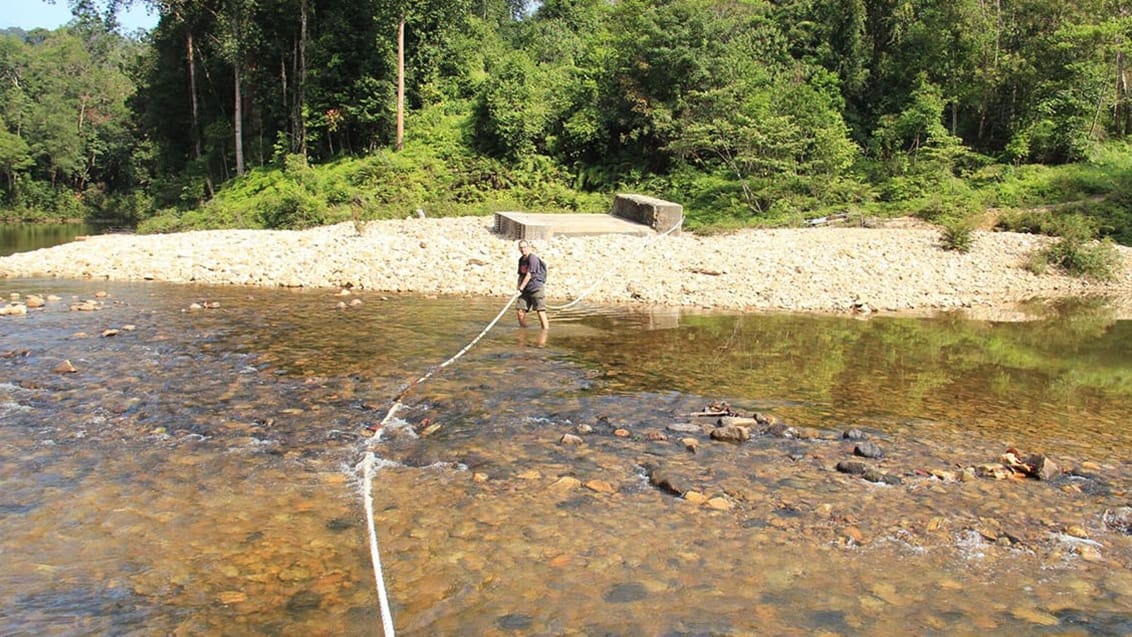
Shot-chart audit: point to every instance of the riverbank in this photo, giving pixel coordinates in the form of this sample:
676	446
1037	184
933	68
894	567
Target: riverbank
897	268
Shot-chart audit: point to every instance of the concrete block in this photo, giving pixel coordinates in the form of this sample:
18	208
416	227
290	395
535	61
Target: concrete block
658	214
517	225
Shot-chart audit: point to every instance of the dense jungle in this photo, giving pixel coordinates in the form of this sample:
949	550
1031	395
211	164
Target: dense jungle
296	113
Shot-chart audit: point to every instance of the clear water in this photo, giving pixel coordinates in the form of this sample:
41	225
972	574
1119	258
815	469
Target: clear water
24	237
196	474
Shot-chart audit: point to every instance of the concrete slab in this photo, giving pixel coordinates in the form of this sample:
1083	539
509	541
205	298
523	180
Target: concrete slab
542	227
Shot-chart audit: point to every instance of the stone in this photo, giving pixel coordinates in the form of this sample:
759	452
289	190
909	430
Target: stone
571	439
514	621
627	592
852	467
738	421
1042	468
868	450
685	427
781	430
695	497
668	483
731	434
719	503
656	213
600	486
232	597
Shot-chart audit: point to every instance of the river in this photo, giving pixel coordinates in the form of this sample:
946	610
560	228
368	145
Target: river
197	473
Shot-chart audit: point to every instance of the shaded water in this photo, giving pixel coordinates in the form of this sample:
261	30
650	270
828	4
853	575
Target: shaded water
24	237
195	475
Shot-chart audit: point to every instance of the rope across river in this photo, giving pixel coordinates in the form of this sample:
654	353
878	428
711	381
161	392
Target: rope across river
368	465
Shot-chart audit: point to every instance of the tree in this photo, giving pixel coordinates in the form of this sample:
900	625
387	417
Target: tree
15	157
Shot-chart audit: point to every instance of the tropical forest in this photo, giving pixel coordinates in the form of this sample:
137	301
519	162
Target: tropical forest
296	113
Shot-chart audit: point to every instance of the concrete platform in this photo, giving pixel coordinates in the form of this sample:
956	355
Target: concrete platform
543	227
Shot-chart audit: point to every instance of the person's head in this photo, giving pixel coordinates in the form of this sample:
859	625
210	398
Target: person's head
524	247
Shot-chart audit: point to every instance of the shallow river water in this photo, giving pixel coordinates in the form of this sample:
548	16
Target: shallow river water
196	474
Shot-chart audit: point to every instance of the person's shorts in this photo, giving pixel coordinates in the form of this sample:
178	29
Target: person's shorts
536	301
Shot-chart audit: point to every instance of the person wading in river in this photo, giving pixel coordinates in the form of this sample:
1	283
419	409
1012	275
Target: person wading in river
532	279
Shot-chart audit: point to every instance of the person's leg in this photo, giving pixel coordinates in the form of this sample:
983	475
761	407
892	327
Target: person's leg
538	304
522	306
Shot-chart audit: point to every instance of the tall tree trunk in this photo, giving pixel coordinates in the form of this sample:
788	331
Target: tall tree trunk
400	84
283	78
1122	115
300	90
190	57
238	121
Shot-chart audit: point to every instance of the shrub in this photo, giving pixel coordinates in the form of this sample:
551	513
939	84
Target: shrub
165	221
1098	260
958	234
291	208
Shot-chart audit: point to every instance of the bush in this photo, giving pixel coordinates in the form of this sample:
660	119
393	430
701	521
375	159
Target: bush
1098	260
164	222
958	234
1026	221
291	208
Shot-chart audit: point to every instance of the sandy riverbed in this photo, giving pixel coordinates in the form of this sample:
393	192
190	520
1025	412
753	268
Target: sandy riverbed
898	268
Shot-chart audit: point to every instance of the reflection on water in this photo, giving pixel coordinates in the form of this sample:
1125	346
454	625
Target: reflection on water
195	474
25	237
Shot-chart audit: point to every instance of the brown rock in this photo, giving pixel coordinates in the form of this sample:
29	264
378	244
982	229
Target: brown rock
731	433
1042	467
600	486
720	503
695	497
65	368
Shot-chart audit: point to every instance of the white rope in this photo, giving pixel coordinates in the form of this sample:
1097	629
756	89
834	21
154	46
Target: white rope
601	280
375	555
461	352
366	466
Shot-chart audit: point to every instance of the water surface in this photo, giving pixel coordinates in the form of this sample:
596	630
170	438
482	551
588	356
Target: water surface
196	473
25	237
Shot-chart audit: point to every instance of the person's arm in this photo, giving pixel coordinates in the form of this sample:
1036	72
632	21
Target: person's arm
525	280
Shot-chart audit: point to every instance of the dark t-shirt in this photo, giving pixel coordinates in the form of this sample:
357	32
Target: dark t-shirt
530	263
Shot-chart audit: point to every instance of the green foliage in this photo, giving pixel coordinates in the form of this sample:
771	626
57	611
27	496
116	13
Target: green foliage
748	113
1095	260
65	141
1076	251
958	234
510	114
290	206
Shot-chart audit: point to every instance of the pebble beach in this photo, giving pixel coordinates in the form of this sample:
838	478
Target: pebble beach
899	267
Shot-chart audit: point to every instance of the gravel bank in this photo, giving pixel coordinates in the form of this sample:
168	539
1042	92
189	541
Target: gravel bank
899	268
